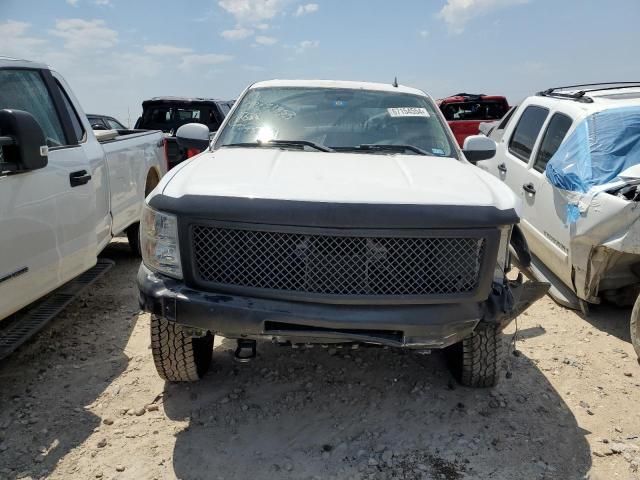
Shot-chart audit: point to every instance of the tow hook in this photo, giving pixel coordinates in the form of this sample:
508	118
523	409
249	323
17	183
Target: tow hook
245	351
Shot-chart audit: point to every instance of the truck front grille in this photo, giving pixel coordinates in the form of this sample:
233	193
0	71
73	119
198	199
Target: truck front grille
336	265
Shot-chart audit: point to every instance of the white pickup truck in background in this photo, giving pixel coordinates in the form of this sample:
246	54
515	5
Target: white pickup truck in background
64	194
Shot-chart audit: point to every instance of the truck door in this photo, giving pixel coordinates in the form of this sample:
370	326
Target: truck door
518	148
44	214
548	232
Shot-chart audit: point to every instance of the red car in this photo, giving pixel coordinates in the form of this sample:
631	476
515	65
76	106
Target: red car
465	112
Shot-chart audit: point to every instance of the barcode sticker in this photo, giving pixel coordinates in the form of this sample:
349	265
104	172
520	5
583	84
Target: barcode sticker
408	112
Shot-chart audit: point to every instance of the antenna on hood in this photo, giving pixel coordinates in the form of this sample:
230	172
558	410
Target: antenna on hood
395	82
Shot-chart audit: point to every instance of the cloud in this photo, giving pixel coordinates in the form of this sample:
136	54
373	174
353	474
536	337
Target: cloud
12	28
237	33
81	34
252	11
306	9
73	3
423	33
456	13
306	45
263	40
162	49
103	3
205	59
17	43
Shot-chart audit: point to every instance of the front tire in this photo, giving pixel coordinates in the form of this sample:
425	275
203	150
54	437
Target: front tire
133	235
178	356
475	361
635	327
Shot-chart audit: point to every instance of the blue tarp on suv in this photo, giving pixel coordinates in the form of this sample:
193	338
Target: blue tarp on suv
601	147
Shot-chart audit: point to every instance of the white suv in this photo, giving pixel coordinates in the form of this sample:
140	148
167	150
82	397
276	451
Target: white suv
573	156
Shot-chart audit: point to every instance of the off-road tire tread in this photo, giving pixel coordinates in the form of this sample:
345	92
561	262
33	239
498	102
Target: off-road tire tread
475	361
179	357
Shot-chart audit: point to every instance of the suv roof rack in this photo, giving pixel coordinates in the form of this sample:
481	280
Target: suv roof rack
581	95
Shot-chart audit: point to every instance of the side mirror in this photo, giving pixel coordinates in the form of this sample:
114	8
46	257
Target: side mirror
478	147
98	126
193	135
22	140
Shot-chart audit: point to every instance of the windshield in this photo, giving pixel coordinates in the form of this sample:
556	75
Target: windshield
474	110
168	117
338	119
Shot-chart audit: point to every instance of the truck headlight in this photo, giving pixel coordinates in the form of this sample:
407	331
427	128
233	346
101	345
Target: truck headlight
503	255
159	242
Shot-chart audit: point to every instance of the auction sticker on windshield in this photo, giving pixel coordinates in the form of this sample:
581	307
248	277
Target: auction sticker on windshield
408	112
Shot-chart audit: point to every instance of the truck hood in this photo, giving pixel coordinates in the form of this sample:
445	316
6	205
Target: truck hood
271	173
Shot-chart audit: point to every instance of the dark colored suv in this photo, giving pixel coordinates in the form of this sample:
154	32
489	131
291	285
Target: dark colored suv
104	122
170	113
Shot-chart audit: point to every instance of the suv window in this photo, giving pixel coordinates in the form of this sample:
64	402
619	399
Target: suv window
556	131
182	114
157	116
526	132
96	122
75	120
26	90
115	124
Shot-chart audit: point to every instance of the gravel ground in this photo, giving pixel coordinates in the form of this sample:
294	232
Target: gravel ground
82	400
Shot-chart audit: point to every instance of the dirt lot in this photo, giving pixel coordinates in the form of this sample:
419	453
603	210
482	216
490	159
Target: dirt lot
82	400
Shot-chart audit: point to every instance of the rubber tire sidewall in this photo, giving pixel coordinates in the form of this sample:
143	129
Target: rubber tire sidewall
634	327
133	235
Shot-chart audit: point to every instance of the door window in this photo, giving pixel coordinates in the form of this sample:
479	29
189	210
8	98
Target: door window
505	120
73	115
26	90
115	125
526	132
556	131
97	123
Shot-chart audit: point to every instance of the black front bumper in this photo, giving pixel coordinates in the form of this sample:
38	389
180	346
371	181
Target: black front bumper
413	326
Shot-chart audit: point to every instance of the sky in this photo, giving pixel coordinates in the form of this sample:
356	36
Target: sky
116	53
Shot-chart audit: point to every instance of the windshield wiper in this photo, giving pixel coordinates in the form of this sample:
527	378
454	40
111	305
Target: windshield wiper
281	143
385	148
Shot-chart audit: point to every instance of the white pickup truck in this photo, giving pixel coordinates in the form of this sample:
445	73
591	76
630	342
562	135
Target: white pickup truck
330	212
64	194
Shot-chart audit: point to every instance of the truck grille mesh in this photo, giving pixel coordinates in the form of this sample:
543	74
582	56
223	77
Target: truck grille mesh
337	265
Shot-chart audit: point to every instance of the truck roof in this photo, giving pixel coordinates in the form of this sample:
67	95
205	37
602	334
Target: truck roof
16	62
581	107
467	97
593	98
382	87
173	99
